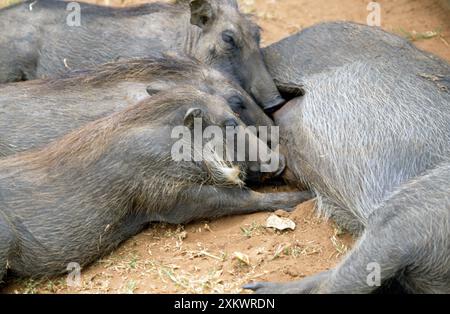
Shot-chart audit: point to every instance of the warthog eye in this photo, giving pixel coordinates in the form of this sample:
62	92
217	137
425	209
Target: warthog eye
236	103
228	38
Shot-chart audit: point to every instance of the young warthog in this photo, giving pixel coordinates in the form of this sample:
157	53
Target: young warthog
44	38
359	137
37	112
85	193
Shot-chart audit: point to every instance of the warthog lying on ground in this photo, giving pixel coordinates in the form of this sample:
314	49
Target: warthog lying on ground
372	125
45	39
37	112
82	195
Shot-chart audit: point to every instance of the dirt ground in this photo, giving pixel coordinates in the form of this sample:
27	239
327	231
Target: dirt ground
201	257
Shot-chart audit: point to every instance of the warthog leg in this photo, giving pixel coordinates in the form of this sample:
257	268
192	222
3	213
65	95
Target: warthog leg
211	202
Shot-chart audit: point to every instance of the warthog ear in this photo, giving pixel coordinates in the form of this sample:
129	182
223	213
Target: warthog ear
201	12
192	114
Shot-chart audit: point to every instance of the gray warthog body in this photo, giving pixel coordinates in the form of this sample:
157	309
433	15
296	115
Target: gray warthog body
406	245
37	112
41	42
83	194
325	47
359	137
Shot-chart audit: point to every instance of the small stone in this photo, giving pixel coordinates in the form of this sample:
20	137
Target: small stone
280	223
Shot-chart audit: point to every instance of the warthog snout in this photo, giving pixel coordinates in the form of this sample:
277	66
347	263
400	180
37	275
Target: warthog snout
261	84
272	106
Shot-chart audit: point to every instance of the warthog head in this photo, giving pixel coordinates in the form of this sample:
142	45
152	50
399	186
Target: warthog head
229	41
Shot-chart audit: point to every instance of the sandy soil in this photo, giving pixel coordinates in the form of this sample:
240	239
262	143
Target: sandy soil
201	257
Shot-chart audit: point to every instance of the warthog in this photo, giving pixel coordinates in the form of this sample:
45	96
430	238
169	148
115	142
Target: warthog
44	38
37	112
326	46
363	137
85	193
406	243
